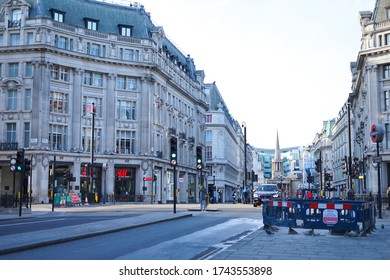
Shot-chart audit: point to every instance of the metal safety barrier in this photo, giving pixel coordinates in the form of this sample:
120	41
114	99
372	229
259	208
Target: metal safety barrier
334	215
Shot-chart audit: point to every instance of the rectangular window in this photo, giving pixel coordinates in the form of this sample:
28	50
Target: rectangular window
209	153
58	102
125	142
209	135
1	40
62	42
86	139
209	118
60	73
29	69
97	80
125	31
30	38
57	16
387	135
12	103
87	106
386	71
120	82
13	70
125	110
131	83
93	79
387	39
127	54
26	135
58	137
95	49
15	39
27	99
387	100
11	132
91	24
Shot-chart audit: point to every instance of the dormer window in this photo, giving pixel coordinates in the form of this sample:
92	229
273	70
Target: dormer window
91	24
125	30
57	15
15	19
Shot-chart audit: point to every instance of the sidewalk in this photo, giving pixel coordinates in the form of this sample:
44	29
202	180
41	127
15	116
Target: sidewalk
281	245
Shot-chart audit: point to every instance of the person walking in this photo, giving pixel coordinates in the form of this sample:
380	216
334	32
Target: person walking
246	195
234	197
388	197
203	197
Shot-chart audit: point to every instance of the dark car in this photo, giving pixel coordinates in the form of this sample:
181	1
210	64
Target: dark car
265	191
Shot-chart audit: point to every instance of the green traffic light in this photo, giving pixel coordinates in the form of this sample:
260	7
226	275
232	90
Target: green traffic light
19	168
173	155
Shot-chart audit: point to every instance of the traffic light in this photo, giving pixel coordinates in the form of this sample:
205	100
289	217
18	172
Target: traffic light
344	165
309	178
19	160
27	165
173	151
199	160
12	164
318	165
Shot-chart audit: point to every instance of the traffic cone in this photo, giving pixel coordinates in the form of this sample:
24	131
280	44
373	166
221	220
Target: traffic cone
86	201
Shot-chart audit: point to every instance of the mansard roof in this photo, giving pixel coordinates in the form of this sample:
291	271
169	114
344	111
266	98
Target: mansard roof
380	12
109	17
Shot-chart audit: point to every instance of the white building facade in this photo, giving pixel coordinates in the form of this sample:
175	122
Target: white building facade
62	61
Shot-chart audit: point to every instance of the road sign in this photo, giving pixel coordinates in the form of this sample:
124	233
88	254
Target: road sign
377	133
376	159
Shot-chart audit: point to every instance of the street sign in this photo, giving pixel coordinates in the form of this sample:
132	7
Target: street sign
377	133
376	159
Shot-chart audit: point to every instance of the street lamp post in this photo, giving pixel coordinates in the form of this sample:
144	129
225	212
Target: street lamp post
244	126
93	112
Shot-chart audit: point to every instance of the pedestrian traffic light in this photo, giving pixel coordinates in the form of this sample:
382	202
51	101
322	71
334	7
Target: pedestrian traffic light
173	143
27	165
19	160
199	159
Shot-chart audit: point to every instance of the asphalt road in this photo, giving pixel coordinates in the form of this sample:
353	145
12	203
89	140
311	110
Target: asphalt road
195	237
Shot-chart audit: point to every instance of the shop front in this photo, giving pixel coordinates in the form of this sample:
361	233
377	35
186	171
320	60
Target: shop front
125	184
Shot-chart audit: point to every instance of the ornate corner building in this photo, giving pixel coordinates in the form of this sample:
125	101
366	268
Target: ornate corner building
85	81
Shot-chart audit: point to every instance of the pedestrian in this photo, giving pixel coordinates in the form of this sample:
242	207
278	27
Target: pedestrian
203	197
388	197
246	195
234	197
309	195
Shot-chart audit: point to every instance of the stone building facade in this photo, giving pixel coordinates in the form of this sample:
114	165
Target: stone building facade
85	81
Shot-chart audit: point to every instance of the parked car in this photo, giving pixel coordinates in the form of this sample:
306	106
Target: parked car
265	191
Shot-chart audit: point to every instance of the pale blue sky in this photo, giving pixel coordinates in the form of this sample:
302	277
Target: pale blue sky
279	65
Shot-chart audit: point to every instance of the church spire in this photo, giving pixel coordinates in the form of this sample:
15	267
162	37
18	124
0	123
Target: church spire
277	162
277	148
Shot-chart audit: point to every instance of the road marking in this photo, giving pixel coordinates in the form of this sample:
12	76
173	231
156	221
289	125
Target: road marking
27	223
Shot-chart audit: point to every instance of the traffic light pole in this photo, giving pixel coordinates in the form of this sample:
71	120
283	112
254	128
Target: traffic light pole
174	189
379	184
21	192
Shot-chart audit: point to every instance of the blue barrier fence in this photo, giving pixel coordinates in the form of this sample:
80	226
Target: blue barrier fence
335	215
